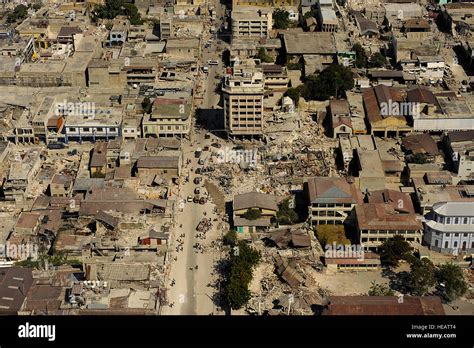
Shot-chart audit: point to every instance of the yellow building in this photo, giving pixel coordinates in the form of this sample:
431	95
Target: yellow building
386	111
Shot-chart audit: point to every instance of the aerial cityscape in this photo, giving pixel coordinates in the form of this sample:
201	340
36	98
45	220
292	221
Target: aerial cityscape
241	157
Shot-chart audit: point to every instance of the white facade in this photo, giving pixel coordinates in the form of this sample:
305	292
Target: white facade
100	123
450	227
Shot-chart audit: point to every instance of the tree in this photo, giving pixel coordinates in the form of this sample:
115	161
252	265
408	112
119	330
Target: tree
285	214
252	214
147	105
230	238
328	234
421	277
333	81
393	250
377	60
19	12
242	260
451	275
361	56
281	19
114	8
380	290
263	56
419	158
294	94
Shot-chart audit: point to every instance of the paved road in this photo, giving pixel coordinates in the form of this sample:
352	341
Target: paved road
190	293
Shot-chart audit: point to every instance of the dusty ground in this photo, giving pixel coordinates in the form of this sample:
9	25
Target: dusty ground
343	284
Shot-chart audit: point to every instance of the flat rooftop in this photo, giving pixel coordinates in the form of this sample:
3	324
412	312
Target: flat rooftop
309	42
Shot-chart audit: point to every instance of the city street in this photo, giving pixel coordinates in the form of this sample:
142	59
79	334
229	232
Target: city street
192	271
191	294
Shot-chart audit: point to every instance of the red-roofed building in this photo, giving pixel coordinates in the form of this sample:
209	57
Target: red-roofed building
384	305
331	200
340	113
377	222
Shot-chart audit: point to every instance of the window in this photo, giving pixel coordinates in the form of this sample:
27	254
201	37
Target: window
100	129
448	221
446	245
112	129
436	243
456	221
455	245
456	235
72	129
86	129
465	221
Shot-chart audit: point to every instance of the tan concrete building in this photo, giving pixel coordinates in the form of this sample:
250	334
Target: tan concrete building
251	23
186	48
243	102
154	169
106	74
170	116
264	3
61	185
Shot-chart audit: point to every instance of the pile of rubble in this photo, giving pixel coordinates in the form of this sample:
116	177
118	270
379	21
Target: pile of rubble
204	225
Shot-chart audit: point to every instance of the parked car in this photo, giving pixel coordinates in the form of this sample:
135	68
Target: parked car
197	180
203	200
212	62
216	145
190	198
197	191
56	146
197	153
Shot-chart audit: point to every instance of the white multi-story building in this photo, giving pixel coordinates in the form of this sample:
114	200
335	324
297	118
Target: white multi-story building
92	123
460	146
450	227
